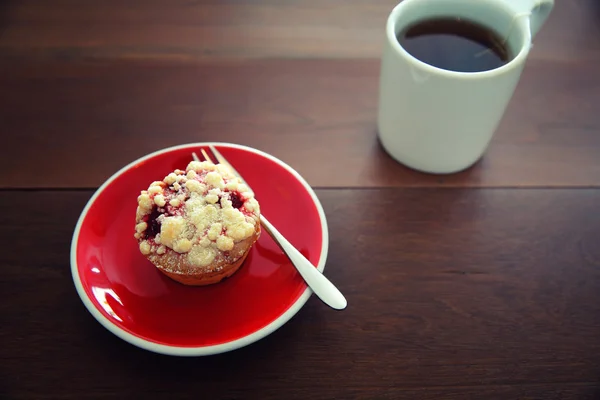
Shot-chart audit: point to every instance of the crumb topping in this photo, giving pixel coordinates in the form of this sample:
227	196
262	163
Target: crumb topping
200	213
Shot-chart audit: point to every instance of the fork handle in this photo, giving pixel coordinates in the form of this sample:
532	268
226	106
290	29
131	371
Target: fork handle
319	284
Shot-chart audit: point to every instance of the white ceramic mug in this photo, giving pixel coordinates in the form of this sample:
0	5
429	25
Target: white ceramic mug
442	121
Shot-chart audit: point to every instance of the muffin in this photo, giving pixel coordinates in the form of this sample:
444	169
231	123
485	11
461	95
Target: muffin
197	226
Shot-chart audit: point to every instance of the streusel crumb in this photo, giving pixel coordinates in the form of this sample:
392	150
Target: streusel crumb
201	216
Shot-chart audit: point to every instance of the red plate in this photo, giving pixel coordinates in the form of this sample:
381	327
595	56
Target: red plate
133	300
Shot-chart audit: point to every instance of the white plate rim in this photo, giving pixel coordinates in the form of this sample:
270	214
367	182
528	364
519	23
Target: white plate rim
202	350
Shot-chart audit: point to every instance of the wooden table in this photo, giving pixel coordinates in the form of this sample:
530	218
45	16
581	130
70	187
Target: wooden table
483	284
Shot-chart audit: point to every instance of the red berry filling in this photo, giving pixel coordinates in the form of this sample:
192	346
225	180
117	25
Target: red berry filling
236	200
153	224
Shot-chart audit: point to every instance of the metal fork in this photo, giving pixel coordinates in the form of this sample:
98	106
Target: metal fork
319	284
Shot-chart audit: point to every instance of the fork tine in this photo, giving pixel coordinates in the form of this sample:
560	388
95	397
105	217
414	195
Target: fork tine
223	160
206	156
218	155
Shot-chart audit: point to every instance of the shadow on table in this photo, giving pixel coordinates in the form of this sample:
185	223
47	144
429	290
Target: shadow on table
210	374
383	167
590	7
5	9
595	6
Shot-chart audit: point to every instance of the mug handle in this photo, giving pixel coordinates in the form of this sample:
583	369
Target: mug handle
539	14
537	10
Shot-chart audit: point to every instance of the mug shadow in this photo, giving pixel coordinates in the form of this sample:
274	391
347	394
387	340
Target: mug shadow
392	173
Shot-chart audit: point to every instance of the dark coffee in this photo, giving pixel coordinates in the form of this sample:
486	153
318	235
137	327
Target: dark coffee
455	44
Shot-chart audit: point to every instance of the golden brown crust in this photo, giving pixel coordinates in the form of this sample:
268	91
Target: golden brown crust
175	265
207	278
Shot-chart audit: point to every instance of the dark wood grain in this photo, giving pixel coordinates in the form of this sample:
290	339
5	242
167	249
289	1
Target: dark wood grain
478	285
180	30
87	120
453	294
90	86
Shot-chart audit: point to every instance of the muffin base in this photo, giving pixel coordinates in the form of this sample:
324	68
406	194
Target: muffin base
207	278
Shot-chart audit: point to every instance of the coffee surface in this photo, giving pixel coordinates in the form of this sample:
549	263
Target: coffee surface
455	44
